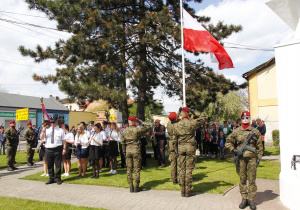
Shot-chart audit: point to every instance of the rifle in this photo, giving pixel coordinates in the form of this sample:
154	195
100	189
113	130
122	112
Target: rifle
19	130
245	146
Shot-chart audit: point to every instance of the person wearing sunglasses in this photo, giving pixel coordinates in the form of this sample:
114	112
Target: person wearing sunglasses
55	148
248	161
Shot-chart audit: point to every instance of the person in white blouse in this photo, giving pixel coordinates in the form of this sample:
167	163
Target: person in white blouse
96	142
81	143
67	157
113	138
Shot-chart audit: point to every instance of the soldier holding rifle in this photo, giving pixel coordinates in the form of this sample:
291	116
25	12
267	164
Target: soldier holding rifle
248	155
132	151
31	139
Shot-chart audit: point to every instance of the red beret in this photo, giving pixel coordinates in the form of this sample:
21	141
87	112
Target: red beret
172	116
62	125
12	122
185	109
29	123
132	118
245	113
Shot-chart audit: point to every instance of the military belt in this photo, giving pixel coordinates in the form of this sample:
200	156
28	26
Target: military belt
186	143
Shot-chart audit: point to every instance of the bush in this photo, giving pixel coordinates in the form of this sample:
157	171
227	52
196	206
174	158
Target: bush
275	137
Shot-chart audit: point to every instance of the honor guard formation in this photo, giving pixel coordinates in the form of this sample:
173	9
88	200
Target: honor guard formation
189	135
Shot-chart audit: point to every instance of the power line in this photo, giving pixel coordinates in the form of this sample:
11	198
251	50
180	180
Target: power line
241	48
24	65
23	14
248	46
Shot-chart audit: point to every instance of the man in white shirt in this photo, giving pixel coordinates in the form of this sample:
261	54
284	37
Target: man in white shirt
55	148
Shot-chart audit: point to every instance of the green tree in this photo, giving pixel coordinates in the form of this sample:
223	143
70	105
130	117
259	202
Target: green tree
228	106
152	108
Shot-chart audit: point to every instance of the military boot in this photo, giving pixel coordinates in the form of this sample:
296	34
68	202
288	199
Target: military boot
10	168
175	181
182	191
252	204
136	188
189	193
15	168
243	204
131	187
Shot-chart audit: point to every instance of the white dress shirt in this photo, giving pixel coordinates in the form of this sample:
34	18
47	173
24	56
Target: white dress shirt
59	137
98	137
107	131
69	136
82	139
115	135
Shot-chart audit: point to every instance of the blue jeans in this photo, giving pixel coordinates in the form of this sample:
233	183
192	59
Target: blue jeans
2	147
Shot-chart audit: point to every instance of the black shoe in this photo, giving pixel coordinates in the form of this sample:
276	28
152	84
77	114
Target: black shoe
10	169
252	204
49	182
189	193
243	204
58	182
29	164
96	177
15	168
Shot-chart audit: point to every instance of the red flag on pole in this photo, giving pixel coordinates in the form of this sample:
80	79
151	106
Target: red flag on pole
198	39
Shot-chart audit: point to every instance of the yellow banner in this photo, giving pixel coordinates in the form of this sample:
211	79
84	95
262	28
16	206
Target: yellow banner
22	114
111	118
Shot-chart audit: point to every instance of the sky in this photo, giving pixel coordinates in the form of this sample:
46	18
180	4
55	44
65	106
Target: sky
262	28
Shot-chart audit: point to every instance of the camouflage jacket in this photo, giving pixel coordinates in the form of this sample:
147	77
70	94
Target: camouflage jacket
185	129
239	135
11	136
132	135
29	135
171	131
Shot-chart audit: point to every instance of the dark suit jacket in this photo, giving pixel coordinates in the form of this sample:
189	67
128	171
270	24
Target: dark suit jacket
160	133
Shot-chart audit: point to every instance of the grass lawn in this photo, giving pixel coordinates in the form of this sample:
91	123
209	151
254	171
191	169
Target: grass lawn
19	203
272	150
20	158
210	176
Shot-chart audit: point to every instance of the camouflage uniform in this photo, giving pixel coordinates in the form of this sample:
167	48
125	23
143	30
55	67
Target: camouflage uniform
131	145
173	145
12	144
29	135
248	165
185	132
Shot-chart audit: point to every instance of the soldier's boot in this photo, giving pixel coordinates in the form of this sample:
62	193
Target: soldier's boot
252	204
28	164
131	187
136	188
243	204
15	168
189	193
182	191
10	168
175	181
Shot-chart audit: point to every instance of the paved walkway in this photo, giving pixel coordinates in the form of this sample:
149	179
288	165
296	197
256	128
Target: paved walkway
121	198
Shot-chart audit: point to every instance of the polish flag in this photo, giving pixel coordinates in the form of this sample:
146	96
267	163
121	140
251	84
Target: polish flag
198	39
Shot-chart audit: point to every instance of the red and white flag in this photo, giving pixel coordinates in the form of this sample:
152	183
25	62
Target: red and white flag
198	39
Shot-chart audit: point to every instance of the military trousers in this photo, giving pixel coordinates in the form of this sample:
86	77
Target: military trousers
186	164
173	159
30	153
247	171
133	163
11	151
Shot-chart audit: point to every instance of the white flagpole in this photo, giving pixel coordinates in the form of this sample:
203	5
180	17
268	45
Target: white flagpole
182	52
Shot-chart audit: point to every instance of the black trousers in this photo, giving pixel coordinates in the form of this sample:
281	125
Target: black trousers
54	156
205	147
160	148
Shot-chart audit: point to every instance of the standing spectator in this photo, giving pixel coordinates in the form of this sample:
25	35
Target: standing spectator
253	124
222	144
160	136
215	135
114	137
229	123
2	141
81	142
31	138
69	137
210	144
262	129
239	122
226	132
43	151
233	126
12	145
198	139
206	139
55	148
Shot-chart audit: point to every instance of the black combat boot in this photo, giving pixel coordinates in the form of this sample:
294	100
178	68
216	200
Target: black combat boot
131	188
136	188
189	193
10	169
252	204
243	204
182	191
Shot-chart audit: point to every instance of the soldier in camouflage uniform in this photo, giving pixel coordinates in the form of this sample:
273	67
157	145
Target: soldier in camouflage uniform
249	161
185	132
173	145
12	144
31	138
131	147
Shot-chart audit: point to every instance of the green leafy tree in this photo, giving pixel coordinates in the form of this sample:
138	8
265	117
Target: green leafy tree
152	108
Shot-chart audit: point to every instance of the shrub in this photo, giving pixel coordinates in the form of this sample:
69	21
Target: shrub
275	137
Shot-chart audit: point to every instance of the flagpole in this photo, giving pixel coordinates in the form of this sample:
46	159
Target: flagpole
182	56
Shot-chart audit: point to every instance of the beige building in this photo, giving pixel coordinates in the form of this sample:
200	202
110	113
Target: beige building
263	101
